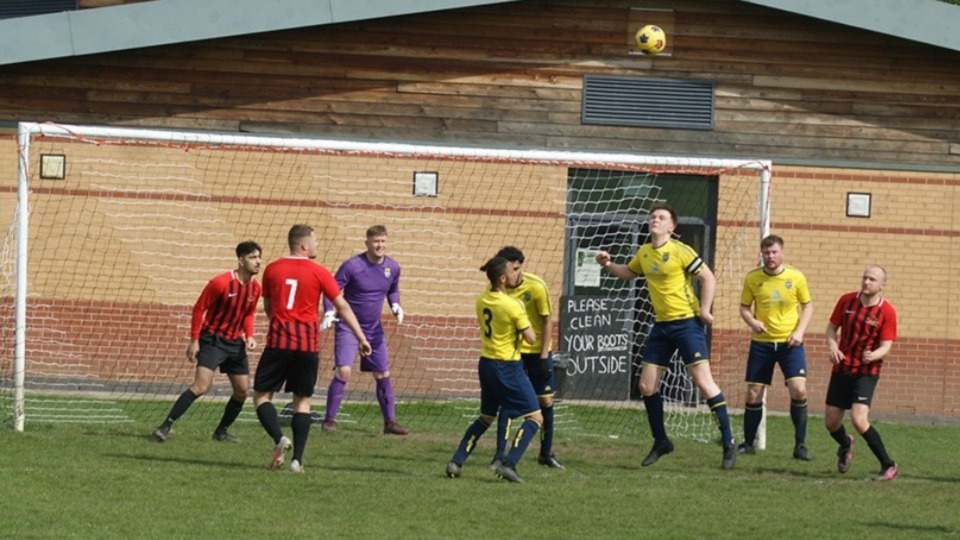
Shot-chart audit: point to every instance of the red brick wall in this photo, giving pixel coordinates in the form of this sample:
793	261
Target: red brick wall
90	271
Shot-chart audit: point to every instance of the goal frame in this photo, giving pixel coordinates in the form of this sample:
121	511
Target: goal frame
27	130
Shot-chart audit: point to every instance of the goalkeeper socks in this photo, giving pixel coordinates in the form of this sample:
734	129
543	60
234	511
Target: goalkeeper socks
230	413
528	429
301	430
876	446
469	441
386	400
752	416
267	414
183	403
798	413
546	433
334	397
718	406
654	406
840	435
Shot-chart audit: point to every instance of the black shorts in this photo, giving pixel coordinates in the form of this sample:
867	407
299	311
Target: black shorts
230	355
847	389
295	369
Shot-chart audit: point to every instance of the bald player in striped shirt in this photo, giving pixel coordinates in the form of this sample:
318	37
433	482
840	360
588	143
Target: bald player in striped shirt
860	334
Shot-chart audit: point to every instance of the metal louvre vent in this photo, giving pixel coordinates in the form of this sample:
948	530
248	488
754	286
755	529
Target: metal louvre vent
647	102
22	8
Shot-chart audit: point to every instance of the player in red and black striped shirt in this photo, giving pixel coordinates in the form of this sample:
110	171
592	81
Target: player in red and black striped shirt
292	291
868	326
221	332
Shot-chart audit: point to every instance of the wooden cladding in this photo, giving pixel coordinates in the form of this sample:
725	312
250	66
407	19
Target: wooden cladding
785	86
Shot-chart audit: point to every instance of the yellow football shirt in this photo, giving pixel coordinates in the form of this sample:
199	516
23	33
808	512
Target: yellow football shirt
533	294
669	270
501	320
775	300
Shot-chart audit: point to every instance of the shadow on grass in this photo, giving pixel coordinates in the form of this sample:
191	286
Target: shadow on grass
180	460
939	479
887	527
835	476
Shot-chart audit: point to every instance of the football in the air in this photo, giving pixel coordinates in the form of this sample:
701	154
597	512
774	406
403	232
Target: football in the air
651	39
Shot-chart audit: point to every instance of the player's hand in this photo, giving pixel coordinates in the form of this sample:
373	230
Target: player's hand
546	370
397	312
835	356
603	258
365	348
192	349
758	327
795	340
251	343
706	317
329	318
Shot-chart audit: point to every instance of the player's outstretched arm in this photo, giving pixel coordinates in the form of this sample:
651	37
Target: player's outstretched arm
621	271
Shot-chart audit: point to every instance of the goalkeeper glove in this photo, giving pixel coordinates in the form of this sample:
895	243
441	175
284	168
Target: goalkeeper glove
329	318
397	311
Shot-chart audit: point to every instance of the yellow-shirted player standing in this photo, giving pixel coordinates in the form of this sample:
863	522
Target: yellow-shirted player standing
537	357
504	387
776	305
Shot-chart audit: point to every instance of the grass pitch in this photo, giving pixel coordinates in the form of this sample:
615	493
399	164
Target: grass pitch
82	481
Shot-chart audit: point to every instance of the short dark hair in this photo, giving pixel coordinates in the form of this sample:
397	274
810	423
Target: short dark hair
667	207
297	233
495	268
247	247
511	254
376	230
770	240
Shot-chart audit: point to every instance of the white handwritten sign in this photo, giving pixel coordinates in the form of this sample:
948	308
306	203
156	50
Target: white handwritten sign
596	344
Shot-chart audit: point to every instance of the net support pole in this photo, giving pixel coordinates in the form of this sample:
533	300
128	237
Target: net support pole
764	202
761	442
20	298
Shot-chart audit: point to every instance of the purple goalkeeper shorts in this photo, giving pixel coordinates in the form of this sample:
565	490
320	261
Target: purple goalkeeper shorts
345	347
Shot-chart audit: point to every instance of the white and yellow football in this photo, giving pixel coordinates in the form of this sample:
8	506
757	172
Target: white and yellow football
651	39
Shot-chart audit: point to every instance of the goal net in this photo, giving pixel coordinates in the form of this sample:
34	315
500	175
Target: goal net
112	234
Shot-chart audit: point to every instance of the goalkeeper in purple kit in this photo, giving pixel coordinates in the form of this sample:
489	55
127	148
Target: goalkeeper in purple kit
366	280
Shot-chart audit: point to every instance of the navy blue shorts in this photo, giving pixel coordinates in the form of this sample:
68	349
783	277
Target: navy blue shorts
295	369
542	386
230	355
666	338
504	387
764	356
846	389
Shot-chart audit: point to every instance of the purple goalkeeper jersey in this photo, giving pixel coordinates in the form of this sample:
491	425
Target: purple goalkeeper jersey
365	285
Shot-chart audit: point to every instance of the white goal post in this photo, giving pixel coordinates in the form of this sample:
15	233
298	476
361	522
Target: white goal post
123	226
